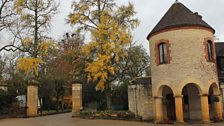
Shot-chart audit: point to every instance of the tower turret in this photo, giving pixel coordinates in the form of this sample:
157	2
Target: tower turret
183	66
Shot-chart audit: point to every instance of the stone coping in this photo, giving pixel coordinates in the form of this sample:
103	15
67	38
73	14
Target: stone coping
33	82
141	80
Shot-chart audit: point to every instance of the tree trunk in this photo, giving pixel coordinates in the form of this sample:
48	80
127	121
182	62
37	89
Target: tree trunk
48	104
57	102
108	99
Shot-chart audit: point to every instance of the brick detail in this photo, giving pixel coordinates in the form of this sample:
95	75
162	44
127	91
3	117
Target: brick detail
206	50
169	58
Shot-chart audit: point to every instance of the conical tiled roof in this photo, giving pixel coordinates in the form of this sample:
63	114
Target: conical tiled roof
178	15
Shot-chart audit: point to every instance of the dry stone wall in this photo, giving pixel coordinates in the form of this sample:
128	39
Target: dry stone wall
140	98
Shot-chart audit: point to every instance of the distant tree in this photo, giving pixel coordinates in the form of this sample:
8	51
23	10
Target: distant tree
2	66
110	26
6	101
136	63
62	66
15	80
7	15
70	49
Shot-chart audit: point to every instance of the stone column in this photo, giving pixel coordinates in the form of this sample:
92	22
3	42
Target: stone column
205	109
218	108
32	99
179	108
158	109
76	99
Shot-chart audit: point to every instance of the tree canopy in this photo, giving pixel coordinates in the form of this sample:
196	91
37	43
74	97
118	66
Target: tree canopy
34	22
110	27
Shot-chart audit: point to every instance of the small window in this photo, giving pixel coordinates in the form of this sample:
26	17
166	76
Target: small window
210	50
162	53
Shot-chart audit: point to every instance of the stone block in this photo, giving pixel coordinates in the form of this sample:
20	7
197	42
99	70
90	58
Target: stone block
32	100
76	99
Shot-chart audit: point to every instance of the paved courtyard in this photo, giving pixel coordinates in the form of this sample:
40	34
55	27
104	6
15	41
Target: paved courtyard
66	120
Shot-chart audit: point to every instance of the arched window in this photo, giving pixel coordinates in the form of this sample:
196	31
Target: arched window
162	53
210	50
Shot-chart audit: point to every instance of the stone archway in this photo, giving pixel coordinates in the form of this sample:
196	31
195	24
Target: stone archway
168	103
215	102
191	102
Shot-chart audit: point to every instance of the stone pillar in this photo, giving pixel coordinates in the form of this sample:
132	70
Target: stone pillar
218	108
32	99
179	108
76	99
158	109
205	109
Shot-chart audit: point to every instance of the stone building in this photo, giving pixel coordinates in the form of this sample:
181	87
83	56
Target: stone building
184	77
220	60
220	64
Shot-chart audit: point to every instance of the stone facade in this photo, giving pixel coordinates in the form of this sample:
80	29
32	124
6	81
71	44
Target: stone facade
188	65
183	71
76	99
186	45
140	98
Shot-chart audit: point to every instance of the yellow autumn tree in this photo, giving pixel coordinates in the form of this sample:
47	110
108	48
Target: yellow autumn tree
34	18
110	26
31	64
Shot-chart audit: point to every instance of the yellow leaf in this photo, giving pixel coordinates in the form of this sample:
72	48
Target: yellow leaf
28	64
27	41
100	86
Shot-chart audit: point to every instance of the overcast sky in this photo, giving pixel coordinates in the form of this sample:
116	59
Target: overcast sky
149	12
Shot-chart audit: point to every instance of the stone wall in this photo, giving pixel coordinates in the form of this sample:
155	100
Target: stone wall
140	98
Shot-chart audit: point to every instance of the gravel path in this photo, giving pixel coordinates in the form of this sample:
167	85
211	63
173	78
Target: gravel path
66	120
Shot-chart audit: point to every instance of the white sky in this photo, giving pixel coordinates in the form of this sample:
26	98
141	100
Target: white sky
149	12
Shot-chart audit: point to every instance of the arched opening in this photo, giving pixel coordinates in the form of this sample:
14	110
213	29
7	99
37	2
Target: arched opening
191	102
213	100
168	103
